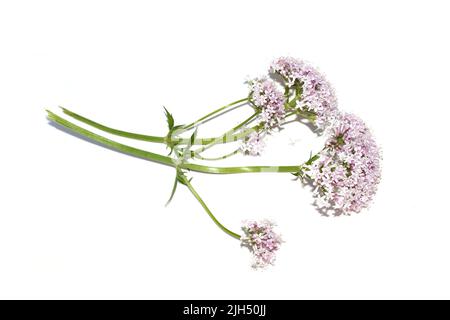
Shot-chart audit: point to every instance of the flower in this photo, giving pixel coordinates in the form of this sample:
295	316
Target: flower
347	171
254	144
262	241
269	100
289	68
317	95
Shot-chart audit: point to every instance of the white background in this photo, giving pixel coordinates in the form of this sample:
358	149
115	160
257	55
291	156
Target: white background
81	221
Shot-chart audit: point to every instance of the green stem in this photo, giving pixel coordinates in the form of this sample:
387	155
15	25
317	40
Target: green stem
163	159
229	135
290	114
200	200
286	94
309	115
217	158
199	141
193	124
233	170
136	136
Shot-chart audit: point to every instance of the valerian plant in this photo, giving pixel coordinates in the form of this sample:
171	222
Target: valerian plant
344	174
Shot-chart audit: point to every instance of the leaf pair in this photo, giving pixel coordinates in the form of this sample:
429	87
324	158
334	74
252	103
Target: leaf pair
180	177
183	153
172	129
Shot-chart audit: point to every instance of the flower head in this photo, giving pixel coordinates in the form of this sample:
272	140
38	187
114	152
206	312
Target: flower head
262	241
270	100
347	171
317	94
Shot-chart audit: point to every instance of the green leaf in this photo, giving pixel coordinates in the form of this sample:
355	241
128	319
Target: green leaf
312	159
174	188
187	150
169	118
193	136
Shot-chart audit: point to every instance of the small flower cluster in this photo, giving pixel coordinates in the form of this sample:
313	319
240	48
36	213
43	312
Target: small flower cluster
253	144
317	94
262	241
270	100
347	171
266	97
313	94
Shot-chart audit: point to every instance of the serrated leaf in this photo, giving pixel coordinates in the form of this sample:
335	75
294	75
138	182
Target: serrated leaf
169	118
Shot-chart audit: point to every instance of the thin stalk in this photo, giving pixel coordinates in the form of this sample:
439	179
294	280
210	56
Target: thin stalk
308	115
290	114
233	170
197	156
229	135
160	158
199	141
193	124
200	200
137	136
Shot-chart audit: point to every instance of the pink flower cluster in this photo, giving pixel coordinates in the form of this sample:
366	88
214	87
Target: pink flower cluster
270	100
262	241
347	172
289	68
253	144
317	94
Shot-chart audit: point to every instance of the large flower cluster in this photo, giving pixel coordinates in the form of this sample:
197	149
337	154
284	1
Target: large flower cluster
347	171
317	94
262	241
